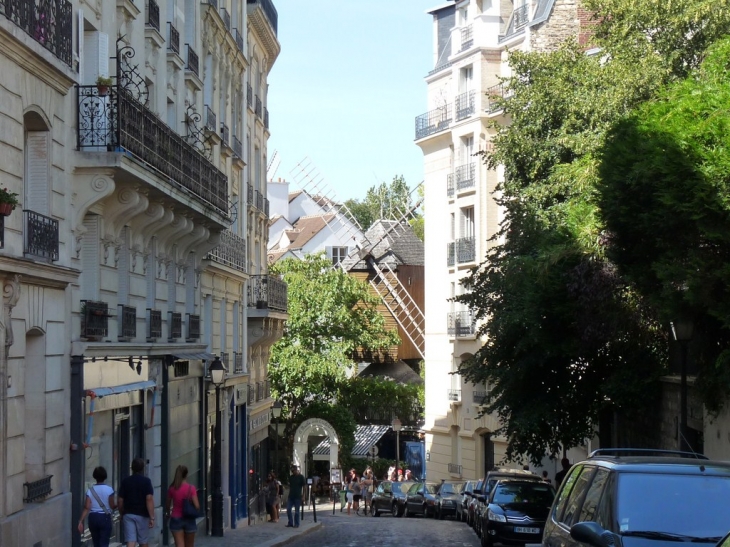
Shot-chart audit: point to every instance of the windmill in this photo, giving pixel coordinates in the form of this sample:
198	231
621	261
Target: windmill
372	250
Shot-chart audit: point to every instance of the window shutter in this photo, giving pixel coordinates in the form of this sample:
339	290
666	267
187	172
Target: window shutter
90	258
96	56
462	223
36	172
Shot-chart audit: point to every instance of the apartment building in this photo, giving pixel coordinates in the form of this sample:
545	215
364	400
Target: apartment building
136	255
472	39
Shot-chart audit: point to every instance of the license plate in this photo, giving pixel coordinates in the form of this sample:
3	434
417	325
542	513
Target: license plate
522	530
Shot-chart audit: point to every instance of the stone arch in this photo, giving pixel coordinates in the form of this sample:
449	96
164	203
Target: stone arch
320	427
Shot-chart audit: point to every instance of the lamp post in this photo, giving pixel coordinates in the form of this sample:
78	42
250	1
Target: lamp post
682	331
396	424
276	413
217	377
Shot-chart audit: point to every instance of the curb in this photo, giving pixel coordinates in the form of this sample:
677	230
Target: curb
290	539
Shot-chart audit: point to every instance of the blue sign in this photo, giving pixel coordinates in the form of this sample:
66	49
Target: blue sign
415	456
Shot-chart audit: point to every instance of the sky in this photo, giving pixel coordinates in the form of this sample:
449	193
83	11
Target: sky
345	90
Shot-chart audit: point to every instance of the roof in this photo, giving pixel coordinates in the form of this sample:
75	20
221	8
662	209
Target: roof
399	371
301	233
392	242
365	437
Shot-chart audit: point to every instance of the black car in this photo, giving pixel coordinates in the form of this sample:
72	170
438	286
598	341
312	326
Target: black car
463	506
390	497
447	498
481	494
516	511
641	498
421	499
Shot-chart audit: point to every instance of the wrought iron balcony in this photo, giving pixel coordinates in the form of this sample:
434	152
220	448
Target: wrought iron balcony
117	122
231	251
266	207
465	105
455	469
225	133
266	118
128	322
193	328
37	490
451	253
481	397
453	395
94	319
460	323
237	147
192	61
211	122
465	249
259	201
433	121
238	362
175	323
154	325
50	23
267	292
269	10
518	21
249	95
467	38
259	106
259	391
226	18
249	194
173	38
40	237
251	394
495	94
465	176
153	15
239	39
225	360
450	185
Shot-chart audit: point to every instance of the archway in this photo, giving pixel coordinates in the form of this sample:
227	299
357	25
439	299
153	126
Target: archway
315	426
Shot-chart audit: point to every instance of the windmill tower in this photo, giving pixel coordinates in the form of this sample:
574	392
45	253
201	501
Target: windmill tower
374	250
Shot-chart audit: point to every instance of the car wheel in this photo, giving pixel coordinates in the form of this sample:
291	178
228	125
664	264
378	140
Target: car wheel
374	512
441	513
427	513
406	512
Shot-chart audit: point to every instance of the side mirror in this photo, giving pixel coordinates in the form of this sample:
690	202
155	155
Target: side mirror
591	533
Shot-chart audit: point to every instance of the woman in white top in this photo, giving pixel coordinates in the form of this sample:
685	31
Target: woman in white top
99	506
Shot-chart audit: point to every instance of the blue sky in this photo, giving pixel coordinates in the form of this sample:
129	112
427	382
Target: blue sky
346	88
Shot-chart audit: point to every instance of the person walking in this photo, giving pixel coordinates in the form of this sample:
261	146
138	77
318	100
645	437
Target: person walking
356	488
272	492
99	506
296	486
181	527
137	505
560	475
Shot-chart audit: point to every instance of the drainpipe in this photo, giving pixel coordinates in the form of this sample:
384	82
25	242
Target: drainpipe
77	444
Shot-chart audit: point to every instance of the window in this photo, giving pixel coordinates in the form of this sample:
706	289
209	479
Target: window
467	148
593	497
575	500
466	75
337	254
467	222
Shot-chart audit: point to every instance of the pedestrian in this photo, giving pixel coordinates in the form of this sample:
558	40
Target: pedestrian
272	491
279	494
99	506
356	488
181	527
560	475
137	505
296	485
545	477
409	475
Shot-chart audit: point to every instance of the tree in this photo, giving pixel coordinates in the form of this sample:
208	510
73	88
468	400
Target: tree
330	315
385	201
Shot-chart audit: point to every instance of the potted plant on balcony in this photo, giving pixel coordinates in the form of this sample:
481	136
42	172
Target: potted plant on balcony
103	83
8	201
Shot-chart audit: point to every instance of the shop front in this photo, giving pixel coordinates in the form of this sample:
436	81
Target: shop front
260	462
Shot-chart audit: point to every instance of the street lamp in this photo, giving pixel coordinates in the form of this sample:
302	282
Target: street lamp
276	413
682	332
396	424
217	377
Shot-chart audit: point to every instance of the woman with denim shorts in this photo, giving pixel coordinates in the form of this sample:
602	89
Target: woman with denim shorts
183	529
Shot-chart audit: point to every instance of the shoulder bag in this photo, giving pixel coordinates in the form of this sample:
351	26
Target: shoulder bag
101	503
188	509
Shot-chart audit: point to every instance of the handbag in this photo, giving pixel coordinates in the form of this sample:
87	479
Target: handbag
188	509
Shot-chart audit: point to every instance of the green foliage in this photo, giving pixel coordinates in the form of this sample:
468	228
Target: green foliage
385	201
361	394
339	418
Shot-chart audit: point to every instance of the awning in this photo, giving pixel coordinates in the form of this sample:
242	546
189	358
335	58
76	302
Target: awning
194	356
126	388
365	437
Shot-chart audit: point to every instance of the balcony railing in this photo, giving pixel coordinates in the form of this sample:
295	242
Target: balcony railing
225	360
269	10
154	325
451	253
249	194
465	176
481	397
267	292
40	238
450	185
453	395
259	106
237	147
259	201
173	38
249	95
193	328
467	38
231	251
238	362
455	469
192	61
495	94
266	118
36	491
226	18
239	39
211	122
175	323
433	121
266	207
153	15
94	319
128	323
465	249
251	394
519	20
50	23
460	323
119	123
465	105
225	133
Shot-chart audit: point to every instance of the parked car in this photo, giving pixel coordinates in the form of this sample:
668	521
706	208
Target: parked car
463	505
633	498
447	498
471	507
496	474
390	497
516	511
421	499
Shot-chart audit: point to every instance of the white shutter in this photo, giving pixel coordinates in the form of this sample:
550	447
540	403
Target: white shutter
90	256
103	54
36	172
96	56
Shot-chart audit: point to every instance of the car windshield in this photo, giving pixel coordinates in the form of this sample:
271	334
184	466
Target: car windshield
401	487
448	488
691	505
431	488
523	493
